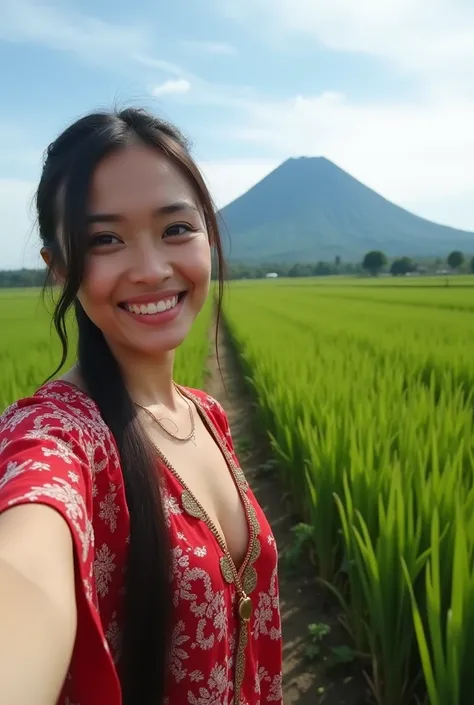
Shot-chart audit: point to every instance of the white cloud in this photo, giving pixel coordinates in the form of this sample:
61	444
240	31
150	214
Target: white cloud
120	48
416	35
171	87
158	64
207	94
19	246
116	47
222	48
94	40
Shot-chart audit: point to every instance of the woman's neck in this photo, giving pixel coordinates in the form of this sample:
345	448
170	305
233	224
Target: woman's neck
150	380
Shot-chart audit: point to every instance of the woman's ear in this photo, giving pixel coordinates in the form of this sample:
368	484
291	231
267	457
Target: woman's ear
47	256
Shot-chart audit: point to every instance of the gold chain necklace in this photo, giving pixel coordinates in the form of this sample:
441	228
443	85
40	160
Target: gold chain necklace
191	435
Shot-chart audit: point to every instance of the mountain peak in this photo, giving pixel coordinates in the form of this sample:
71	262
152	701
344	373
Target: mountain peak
310	209
304	160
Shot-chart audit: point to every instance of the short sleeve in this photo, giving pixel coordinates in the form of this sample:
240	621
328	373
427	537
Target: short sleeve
216	410
217	415
44	459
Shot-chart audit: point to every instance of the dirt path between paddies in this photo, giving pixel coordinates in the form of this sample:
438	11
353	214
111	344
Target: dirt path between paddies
303	602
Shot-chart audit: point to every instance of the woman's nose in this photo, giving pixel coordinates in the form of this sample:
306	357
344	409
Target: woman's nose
151	265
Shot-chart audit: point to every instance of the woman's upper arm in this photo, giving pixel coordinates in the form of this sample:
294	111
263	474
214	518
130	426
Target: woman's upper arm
38	610
36	541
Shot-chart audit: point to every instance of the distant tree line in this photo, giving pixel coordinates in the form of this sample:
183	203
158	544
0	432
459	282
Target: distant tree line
374	263
20	278
298	269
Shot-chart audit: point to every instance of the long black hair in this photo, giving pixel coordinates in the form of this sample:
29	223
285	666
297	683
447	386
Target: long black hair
61	199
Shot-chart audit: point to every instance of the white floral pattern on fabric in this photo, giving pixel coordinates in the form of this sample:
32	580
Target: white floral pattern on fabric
275	693
261	675
215	693
178	654
109	509
104	566
13	469
114	637
170	506
14	416
73	476
267	612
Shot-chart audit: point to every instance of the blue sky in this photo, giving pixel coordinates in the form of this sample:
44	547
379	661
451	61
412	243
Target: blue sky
384	89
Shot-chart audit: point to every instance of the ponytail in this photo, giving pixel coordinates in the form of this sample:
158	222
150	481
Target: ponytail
148	599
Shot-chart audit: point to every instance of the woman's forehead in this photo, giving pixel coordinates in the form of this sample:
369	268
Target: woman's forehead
136	178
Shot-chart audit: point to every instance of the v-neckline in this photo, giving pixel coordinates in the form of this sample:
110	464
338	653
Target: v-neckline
235	473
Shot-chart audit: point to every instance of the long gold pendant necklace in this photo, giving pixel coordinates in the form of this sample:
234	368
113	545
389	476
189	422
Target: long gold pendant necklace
228	567
191	435
245	602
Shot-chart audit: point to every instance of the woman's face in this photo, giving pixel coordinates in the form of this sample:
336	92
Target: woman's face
148	265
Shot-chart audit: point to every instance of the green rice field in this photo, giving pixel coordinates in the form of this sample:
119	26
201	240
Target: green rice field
366	390
30	350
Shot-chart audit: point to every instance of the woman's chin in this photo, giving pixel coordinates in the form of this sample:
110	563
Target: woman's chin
157	343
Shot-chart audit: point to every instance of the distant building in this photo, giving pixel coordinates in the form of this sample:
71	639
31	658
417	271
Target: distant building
271	275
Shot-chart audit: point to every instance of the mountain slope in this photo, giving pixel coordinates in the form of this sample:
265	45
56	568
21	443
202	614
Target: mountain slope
309	209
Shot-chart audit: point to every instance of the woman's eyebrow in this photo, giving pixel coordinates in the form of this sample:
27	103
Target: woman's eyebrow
168	209
176	207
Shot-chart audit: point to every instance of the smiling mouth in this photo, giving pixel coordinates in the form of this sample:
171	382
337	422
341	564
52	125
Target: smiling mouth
154	307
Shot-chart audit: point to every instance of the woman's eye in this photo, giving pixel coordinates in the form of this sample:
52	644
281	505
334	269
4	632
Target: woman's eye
178	229
104	239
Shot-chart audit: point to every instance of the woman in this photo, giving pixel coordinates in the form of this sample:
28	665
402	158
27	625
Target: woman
136	566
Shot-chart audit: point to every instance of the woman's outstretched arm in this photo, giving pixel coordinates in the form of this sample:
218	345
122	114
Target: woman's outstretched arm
38	616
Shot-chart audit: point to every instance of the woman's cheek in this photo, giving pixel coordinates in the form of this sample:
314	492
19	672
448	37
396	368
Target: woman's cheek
199	262
100	279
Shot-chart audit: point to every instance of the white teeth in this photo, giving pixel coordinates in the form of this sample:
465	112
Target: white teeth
158	307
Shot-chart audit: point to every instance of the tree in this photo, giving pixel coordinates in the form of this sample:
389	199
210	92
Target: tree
402	266
374	261
455	259
471	265
337	261
300	269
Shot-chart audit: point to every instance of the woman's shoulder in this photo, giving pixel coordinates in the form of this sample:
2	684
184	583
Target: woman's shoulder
205	400
55	404
213	409
58	428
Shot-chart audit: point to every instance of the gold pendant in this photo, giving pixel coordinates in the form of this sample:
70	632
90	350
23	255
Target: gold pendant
245	608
